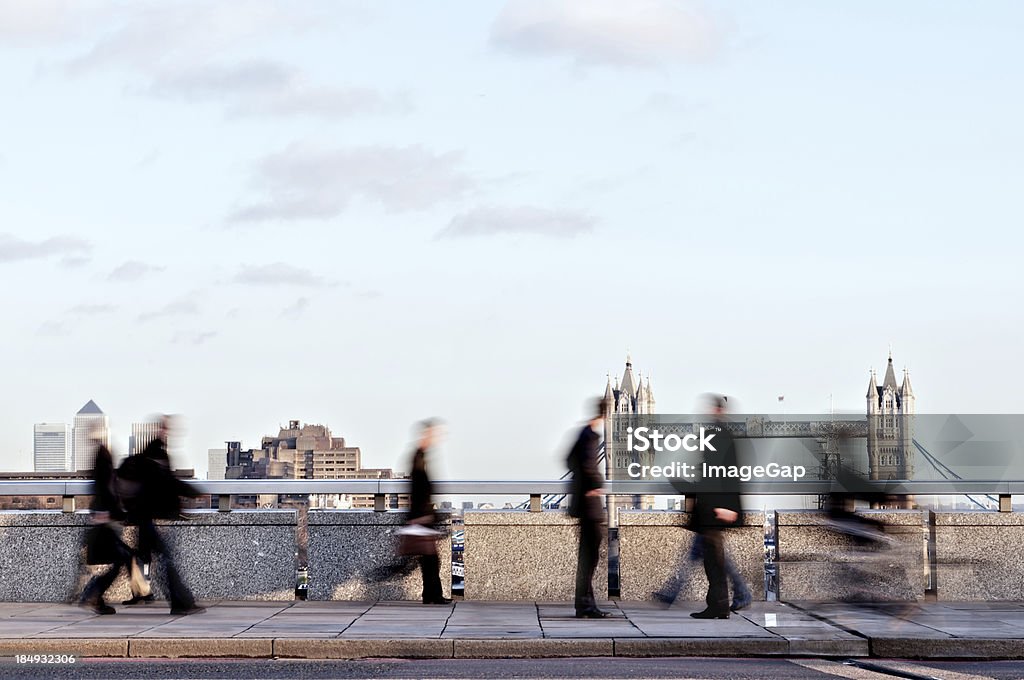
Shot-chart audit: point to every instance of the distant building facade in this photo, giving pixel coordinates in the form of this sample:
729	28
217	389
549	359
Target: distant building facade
217	462
303	452
51	447
89	421
142	434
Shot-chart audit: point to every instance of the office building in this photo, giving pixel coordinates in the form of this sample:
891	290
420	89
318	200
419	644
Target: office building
89	424
51	447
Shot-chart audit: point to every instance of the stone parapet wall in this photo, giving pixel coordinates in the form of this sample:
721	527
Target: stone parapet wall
654	549
347	546
820	564
241	555
522	555
978	555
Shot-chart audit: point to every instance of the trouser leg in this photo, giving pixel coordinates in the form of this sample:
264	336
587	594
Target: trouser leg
99	584
177	592
714	568
740	589
586	564
430	566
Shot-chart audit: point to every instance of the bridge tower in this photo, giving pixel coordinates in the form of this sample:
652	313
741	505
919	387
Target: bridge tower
625	400
890	411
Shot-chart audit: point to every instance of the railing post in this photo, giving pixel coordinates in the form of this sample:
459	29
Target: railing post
1005	502
69	504
535	505
224	502
379	502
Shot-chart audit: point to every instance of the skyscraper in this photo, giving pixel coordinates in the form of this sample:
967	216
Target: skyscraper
142	434
51	447
89	420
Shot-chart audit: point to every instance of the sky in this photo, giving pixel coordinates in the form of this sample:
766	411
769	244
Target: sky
364	214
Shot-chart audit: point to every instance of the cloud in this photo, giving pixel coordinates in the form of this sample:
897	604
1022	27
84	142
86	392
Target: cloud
177	51
91	310
295	310
157	36
133	270
14	249
308	182
489	220
272	88
74	261
185	306
640	33
53	329
278	274
28	22
193	338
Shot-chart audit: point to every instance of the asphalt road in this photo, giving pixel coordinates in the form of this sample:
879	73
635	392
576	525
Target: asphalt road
709	669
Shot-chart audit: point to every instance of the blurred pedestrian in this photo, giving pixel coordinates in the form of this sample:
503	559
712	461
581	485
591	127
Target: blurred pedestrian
588	507
103	539
714	510
418	537
156	494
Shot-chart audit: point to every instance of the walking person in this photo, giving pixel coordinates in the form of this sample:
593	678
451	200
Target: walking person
714	510
742	597
418	536
587	506
158	497
103	540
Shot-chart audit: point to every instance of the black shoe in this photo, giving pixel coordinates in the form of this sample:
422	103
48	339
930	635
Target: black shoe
741	603
709	614
592	614
438	600
185	611
136	599
99	607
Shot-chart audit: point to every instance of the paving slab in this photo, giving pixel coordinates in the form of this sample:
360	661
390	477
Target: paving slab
518	629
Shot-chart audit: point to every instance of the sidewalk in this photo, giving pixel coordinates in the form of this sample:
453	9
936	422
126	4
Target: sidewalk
332	630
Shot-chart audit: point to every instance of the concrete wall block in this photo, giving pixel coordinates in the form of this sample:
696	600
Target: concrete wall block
346	546
521	555
654	548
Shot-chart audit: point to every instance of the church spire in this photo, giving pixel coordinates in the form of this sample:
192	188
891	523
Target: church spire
890	375
628	384
872	387
905	389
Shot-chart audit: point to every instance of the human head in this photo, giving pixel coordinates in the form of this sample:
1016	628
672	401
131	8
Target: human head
718	404
429	431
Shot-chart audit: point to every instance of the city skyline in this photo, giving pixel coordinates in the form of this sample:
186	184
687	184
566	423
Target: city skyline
187	458
372	213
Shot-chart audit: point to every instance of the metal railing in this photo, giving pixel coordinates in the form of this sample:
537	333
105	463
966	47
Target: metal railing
535	489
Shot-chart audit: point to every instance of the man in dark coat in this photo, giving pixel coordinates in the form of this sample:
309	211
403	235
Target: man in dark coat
717	508
104	544
587	506
421	513
158	497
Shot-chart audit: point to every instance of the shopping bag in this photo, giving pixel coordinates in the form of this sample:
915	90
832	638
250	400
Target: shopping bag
141	587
